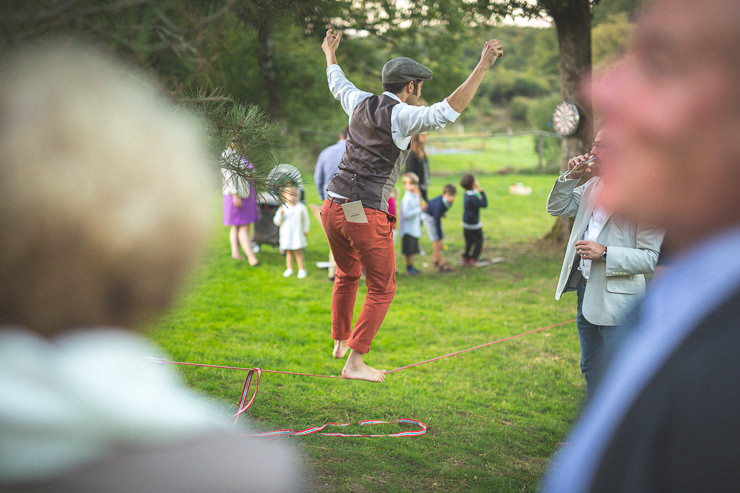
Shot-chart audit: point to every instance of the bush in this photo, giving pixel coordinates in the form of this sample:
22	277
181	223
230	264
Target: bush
519	108
539	116
509	84
530	86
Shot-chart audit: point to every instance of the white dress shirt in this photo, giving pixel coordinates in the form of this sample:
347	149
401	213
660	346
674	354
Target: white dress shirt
595	225
406	120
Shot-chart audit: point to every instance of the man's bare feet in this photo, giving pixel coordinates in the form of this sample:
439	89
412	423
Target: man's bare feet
340	349
355	368
363	372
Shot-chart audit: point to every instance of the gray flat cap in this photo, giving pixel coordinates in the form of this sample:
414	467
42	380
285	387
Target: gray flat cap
402	69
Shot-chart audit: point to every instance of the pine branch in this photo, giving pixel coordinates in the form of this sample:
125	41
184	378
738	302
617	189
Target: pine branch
249	132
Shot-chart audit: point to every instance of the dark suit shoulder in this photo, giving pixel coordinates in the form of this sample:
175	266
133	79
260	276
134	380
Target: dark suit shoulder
681	434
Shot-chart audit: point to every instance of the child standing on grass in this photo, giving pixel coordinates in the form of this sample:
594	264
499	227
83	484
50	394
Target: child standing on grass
412	206
292	219
437	209
473	201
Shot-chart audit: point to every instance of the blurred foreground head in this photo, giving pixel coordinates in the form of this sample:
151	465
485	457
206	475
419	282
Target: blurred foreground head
673	114
103	192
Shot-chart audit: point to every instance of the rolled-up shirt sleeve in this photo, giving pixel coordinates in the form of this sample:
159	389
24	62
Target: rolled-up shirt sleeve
344	90
409	120
406	120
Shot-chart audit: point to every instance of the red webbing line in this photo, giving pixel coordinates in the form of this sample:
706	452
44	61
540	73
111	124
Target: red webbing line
244	404
244	369
309	431
478	347
245	392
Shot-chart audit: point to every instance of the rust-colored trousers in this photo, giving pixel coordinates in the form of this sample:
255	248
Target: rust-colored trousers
358	246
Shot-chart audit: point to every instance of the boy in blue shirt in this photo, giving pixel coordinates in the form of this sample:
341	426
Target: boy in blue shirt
412	207
432	217
473	201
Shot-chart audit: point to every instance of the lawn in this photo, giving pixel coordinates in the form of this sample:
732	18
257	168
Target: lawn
494	415
483	155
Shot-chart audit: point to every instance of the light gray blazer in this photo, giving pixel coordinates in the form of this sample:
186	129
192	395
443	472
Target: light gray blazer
632	252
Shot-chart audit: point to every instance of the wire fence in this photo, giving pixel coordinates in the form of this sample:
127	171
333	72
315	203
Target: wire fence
538	149
482	142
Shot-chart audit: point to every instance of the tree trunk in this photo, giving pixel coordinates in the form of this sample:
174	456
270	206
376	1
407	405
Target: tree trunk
269	70
573	24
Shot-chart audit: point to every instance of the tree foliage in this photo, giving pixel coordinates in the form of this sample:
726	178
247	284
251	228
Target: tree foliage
174	41
267	54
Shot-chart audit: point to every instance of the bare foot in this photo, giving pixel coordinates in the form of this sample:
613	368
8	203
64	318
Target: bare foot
363	372
340	349
237	257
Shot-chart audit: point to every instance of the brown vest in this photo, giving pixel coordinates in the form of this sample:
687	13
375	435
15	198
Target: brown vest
372	162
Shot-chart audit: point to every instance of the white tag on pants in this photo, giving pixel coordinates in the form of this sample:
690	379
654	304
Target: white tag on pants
353	212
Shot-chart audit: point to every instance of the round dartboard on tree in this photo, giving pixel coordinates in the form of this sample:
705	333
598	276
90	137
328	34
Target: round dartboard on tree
565	119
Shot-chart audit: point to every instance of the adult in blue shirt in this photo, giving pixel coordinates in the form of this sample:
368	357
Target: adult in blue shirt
328	163
326	166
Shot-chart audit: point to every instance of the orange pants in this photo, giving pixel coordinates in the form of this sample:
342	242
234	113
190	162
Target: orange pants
358	246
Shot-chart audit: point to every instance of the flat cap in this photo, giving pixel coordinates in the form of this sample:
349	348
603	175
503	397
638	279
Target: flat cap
402	69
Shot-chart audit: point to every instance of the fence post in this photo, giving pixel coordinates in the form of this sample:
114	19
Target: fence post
509	134
539	149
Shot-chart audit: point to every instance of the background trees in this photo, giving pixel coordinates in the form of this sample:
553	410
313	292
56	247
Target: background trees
267	53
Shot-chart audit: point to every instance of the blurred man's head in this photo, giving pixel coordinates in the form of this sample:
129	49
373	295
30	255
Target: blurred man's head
673	113
599	150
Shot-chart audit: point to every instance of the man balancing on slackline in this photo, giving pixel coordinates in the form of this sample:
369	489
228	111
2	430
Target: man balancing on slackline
355	214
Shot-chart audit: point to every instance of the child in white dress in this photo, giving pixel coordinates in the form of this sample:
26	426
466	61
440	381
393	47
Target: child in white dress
292	219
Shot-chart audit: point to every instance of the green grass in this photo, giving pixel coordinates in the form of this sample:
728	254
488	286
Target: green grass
494	415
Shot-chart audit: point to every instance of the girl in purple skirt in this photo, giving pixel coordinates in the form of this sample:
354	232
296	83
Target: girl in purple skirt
240	206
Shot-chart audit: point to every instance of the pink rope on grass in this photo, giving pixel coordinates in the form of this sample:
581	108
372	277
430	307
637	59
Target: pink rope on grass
478	347
159	360
164	361
245	392
244	404
310	431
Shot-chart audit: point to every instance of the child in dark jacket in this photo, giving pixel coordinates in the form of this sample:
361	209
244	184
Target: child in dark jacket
473	201
432	217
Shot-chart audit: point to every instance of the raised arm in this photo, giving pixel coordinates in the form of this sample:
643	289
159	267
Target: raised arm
461	97
341	88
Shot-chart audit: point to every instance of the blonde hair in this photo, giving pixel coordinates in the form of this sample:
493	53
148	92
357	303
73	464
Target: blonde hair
103	192
412	176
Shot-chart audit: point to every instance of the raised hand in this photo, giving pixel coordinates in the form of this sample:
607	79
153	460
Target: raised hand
580	166
492	51
330	45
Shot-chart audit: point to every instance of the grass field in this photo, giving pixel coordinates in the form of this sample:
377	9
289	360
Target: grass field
484	155
494	415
